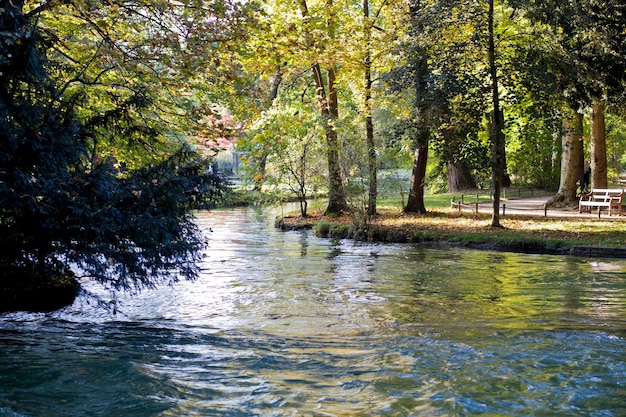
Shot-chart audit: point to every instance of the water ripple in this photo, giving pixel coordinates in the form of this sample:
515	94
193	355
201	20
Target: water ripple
286	324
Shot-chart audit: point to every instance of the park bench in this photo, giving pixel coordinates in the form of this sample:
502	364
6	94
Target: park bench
600	198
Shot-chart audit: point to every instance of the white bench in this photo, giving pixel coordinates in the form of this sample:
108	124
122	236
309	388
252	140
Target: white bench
599	198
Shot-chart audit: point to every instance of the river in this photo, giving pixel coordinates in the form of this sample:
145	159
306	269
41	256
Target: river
287	324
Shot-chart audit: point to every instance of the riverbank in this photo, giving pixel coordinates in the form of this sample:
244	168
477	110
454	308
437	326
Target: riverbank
559	235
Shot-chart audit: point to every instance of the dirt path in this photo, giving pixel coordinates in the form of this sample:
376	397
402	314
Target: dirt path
535	206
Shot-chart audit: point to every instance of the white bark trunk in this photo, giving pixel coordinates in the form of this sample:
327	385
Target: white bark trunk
571	161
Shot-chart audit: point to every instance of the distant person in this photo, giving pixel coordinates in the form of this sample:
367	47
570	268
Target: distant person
586	177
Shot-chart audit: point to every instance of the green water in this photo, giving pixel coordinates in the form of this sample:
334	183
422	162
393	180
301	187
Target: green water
286	324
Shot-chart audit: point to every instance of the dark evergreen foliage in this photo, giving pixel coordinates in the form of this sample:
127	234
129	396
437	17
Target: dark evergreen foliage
61	205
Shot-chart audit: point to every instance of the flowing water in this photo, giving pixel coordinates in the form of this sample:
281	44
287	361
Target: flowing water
286	324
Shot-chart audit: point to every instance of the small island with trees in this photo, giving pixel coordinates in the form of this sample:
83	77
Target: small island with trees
117	119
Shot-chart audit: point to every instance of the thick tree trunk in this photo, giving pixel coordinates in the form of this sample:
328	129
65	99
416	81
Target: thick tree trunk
571	161
599	170
336	194
415	203
459	177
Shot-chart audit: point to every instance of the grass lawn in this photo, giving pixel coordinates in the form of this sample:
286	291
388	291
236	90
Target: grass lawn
445	225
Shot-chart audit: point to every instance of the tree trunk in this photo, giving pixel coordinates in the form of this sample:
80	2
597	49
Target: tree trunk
336	194
459	177
506	179
369	124
599	171
495	132
415	203
329	109
571	161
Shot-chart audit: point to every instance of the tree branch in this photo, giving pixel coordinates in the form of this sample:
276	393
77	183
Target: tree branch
49	5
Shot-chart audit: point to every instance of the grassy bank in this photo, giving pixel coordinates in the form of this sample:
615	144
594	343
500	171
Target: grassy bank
444	226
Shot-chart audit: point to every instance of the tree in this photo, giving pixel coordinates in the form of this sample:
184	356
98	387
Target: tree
321	39
497	123
369	121
459	176
296	163
65	205
288	136
455	84
597	141
368	44
179	53
591	37
326	93
496	126
414	74
557	74
457	44
261	151
571	160
457	142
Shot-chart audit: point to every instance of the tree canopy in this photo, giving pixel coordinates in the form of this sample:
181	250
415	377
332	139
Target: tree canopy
97	175
440	68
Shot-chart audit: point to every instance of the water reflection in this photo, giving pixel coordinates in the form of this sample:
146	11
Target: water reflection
286	324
